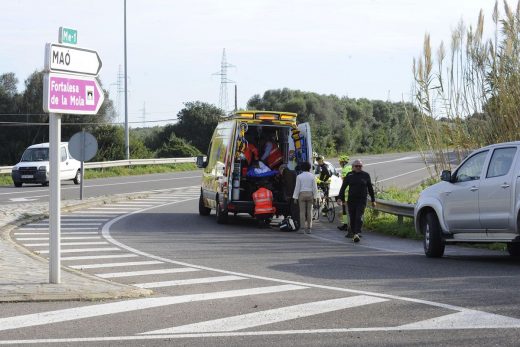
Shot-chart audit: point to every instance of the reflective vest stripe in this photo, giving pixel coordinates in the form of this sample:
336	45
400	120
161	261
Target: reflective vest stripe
263	199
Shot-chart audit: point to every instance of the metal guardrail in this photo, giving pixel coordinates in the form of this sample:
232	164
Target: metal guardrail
131	162
396	208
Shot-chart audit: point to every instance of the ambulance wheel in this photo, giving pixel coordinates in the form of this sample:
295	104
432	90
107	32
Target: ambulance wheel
222	215
203	210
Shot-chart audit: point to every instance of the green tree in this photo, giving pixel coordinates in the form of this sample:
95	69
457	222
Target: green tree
196	123
177	147
111	144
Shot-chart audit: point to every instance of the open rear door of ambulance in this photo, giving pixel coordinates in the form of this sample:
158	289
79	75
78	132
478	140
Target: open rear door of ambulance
305	130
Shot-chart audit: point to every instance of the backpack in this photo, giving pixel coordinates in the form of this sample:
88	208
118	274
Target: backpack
287	224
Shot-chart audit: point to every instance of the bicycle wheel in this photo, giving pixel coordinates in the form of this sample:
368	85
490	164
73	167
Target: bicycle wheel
331	210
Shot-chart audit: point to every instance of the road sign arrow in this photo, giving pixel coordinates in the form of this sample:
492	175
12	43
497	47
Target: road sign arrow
72	94
62	58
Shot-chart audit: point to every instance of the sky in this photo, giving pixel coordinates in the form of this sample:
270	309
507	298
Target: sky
354	48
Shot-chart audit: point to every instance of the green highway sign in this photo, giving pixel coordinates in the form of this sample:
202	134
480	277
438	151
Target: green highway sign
69	36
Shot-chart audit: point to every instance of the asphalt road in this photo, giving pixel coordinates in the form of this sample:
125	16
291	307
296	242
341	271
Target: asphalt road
399	169
236	285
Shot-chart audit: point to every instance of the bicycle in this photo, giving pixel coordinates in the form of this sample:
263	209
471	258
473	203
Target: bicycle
325	205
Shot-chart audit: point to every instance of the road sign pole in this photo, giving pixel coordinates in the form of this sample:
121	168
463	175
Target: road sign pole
55	197
82	162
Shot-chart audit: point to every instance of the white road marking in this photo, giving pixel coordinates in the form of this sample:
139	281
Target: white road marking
66	233
467	319
112	214
106	234
63	238
65	219
146	272
80	250
114	208
70	314
92	214
199	335
68	244
105	265
403	174
62	224
21	199
393	160
255	319
202	280
132	206
43	229
95	257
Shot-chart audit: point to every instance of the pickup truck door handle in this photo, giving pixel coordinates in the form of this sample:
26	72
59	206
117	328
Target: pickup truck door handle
505	185
473	189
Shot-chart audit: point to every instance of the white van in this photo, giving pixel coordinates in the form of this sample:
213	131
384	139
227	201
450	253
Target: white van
34	166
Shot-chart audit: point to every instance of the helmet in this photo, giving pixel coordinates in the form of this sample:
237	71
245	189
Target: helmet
344	158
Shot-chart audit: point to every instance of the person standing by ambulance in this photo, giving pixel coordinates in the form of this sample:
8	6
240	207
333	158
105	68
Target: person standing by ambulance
360	186
345	169
305	192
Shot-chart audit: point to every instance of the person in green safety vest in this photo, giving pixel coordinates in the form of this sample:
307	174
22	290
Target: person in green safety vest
345	169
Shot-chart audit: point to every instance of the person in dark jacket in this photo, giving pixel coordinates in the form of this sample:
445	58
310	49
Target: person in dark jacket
360	186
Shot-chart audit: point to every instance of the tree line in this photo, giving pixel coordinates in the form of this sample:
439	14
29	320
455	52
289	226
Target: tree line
339	124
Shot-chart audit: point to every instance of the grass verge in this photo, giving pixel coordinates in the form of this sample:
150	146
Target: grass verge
5	179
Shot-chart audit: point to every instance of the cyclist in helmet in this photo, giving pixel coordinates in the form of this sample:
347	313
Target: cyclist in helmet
345	169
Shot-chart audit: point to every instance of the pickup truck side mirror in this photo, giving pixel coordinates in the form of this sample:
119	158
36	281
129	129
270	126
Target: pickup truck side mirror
446	175
201	164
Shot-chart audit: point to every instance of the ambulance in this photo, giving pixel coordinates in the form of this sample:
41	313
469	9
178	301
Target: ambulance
231	176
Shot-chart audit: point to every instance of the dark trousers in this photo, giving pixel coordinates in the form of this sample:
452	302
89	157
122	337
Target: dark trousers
355	212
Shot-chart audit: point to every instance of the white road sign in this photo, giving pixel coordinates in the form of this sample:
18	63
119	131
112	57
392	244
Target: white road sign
63	58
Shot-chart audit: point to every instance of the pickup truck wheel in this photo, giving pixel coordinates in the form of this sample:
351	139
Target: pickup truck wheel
45	184
77	178
513	249
17	184
433	242
203	210
222	216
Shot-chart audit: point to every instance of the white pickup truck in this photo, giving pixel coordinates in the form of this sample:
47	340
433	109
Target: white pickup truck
478	203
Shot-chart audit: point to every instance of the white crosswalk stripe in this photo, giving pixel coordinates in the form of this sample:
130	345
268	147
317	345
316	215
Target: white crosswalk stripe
64	315
81	250
97	257
146	272
110	265
214	279
276	315
67	224
67	244
63	238
154	274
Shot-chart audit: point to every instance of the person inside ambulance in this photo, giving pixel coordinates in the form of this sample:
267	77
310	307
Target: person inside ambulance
272	156
249	155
